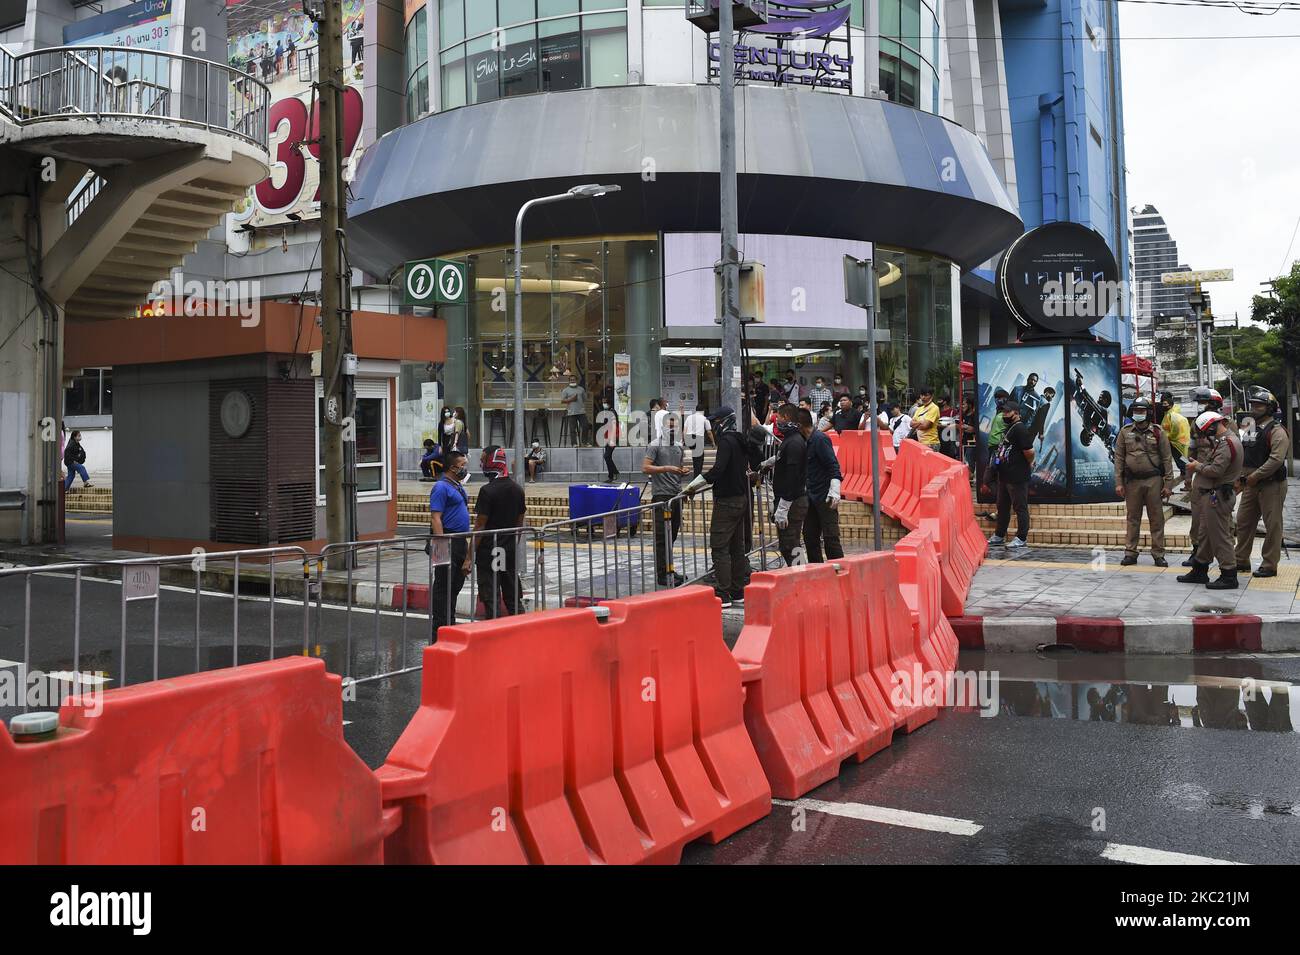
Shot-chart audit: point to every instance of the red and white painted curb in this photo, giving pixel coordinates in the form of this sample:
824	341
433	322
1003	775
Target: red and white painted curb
391	596
1201	634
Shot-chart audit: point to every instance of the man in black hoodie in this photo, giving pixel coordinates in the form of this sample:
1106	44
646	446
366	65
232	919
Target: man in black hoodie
790	483
729	478
74	459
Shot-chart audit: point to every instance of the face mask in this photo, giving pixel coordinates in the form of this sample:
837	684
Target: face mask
1140	416
1203	406
1009	419
839	381
787	427
605	406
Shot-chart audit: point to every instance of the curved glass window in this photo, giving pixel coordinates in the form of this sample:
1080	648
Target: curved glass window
491	49
916	307
584	301
909	53
417	64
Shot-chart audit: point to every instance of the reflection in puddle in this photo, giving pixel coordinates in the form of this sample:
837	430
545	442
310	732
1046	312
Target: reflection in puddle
1222	704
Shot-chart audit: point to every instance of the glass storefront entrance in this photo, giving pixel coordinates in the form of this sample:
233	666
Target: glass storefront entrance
584	303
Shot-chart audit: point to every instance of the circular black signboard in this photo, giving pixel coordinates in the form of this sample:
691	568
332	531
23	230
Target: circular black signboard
1061	278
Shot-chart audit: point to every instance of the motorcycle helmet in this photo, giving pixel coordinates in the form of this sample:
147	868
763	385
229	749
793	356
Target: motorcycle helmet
1257	395
1208	420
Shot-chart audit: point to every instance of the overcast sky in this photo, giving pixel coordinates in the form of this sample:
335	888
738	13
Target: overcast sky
1213	138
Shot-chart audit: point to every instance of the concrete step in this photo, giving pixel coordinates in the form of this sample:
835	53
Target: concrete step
1089	539
1099	525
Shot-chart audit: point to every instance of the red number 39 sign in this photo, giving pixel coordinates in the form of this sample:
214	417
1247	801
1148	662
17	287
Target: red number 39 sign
291	125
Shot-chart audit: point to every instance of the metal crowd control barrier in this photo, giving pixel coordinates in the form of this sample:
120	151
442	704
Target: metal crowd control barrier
144	580
576	562
571	569
388	579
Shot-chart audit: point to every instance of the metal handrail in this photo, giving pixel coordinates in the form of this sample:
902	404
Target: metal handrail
6	78
100	82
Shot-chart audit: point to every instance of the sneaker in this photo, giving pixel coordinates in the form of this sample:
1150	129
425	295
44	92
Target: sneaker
724	597
997	541
1129	560
1161	562
87	484
738	600
1016	542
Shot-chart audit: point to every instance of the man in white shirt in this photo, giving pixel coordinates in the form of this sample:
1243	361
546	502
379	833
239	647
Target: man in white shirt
658	411
697	430
899	423
791	387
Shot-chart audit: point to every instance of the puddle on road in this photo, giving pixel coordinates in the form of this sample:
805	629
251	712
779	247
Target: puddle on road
1214	703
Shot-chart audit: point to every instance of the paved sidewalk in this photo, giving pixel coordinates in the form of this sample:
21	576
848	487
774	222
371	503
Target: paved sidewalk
1046	582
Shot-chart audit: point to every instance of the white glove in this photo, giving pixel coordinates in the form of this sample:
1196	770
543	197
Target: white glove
770	462
833	498
697	485
782	514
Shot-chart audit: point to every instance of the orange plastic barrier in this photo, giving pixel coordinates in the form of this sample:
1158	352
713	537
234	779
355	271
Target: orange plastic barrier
237	766
804	708
968	533
914	468
849	455
857	469
919	584
558	738
938	518
879	630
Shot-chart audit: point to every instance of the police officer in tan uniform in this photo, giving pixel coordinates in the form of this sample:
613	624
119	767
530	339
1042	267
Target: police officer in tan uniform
1213	497
1144	477
1207	399
1263	483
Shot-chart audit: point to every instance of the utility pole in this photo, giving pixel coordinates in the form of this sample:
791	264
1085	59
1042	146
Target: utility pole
337	361
731	390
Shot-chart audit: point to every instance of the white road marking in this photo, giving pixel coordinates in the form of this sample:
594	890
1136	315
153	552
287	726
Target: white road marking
1139	855
883	814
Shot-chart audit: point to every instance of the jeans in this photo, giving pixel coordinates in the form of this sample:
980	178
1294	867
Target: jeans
727	541
665	514
447	582
1013	496
822	524
73	471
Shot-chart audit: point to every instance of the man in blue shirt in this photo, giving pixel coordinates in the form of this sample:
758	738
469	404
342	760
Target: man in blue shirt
822	523
449	514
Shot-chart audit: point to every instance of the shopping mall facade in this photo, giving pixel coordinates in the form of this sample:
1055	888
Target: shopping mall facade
844	147
925	134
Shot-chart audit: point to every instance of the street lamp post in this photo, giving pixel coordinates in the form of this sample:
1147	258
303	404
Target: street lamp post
589	191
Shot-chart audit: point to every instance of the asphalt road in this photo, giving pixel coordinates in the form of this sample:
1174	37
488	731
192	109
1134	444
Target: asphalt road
1089	758
373	641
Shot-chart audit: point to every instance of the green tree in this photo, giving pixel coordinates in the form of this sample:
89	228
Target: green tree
1281	310
942	374
1253	356
887	366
